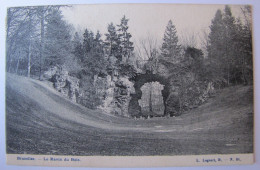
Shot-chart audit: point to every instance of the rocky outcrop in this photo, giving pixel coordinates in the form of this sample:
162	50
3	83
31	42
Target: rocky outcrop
184	99
63	82
122	97
113	93
117	96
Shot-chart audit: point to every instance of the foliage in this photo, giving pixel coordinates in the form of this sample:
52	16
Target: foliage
29	31
126	46
38	38
88	93
57	39
20	30
127	70
230	50
170	47
91	54
112	42
194	60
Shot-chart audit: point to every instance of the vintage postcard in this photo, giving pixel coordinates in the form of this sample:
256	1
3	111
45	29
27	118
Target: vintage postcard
129	85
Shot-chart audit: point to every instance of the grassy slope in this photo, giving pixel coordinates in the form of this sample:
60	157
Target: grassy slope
41	121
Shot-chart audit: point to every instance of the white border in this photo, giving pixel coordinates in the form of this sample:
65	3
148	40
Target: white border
130	161
9	3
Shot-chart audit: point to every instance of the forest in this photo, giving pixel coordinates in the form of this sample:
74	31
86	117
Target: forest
107	70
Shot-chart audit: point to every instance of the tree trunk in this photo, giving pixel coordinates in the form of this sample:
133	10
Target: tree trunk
9	65
228	74
42	41
29	48
243	71
18	63
29	59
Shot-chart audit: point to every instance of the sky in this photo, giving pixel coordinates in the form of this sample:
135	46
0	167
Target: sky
146	19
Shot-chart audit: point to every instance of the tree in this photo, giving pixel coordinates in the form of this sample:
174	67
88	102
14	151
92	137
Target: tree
93	65
88	41
243	39
57	39
230	46
26	29
30	45
170	47
112	42
226	51
148	48
216	50
16	32
194	60
77	48
204	39
126	46
148	54
43	12
188	39
93	61
21	32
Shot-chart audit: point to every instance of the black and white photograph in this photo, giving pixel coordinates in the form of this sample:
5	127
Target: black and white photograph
135	80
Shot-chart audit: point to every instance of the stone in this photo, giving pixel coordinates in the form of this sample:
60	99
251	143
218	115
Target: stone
117	96
62	82
50	72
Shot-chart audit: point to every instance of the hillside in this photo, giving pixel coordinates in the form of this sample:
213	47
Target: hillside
39	120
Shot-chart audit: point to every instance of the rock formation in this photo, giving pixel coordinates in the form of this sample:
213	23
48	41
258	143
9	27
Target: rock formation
63	82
